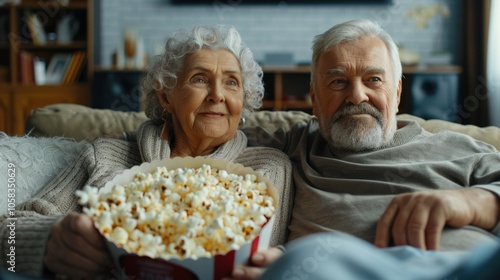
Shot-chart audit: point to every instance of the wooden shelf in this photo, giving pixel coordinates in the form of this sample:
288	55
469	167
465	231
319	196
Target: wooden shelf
432	69
287	69
115	69
37	4
286	87
54	46
20	96
296	105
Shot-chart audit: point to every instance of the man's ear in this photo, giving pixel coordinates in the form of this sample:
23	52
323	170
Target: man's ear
398	94
312	94
162	97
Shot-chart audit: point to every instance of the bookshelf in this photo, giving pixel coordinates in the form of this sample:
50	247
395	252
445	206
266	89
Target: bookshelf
46	50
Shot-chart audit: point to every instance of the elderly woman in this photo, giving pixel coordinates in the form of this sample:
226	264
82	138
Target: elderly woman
197	92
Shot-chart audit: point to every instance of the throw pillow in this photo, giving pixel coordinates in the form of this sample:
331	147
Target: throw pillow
31	163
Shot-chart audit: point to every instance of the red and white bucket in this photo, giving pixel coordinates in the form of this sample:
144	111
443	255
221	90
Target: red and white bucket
141	267
132	266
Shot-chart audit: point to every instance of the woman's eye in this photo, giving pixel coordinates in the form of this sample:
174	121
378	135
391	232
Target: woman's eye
232	83
198	80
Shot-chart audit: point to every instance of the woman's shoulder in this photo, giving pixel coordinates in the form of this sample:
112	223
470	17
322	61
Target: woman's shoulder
116	150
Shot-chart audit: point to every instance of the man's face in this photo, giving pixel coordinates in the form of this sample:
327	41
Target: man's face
355	96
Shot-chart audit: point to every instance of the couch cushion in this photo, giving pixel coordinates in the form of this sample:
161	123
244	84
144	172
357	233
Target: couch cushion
490	134
81	122
272	120
84	123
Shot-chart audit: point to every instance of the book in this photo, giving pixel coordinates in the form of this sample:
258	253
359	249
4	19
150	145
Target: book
35	28
58	66
26	75
79	67
74	68
39	70
70	69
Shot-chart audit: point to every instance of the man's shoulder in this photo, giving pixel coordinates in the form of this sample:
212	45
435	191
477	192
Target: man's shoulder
448	140
264	158
462	141
265	153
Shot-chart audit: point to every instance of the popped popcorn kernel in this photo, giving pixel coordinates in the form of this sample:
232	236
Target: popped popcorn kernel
182	212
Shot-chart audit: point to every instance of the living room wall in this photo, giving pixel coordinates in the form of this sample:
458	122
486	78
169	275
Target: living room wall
271	28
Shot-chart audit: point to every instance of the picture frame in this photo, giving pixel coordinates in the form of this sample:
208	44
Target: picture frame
57	68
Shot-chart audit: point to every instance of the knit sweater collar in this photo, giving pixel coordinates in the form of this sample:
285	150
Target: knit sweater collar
152	147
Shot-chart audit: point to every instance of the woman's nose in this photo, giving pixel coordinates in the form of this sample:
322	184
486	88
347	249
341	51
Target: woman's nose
216	93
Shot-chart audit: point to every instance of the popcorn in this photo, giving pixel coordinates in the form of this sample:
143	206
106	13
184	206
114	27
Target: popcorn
181	213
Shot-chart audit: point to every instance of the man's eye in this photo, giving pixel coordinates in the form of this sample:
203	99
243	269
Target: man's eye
375	79
338	84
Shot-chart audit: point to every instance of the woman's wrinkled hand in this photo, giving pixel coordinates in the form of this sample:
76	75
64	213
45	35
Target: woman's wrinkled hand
259	262
76	248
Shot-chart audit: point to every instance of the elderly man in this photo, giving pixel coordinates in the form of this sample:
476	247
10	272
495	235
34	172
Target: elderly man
360	171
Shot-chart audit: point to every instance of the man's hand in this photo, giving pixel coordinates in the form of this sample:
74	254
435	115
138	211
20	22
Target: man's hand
417	219
76	248
259	262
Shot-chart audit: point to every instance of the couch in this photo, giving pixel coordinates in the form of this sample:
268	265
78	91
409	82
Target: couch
83	123
57	133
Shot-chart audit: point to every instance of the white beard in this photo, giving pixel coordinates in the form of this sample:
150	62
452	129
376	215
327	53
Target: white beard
359	133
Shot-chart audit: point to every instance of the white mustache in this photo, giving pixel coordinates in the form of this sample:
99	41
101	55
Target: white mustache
363	108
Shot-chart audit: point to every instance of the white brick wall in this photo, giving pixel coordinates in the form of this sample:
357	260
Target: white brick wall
271	28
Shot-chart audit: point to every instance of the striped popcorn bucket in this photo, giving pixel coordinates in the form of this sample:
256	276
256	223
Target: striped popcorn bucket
132	266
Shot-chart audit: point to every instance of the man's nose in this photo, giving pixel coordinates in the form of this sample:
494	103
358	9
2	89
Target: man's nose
357	93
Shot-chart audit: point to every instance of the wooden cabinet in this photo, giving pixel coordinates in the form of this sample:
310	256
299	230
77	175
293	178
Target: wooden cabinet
5	104
60	35
287	88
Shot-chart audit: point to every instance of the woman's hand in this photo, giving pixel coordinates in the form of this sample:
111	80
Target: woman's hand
259	262
76	248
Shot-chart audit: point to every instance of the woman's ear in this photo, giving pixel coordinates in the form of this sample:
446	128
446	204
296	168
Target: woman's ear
162	97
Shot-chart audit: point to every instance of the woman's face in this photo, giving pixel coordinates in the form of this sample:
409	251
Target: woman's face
207	100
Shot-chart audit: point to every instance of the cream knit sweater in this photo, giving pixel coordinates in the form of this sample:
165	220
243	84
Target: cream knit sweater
109	157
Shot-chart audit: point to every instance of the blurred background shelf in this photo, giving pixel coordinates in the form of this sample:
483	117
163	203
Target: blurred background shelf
31	31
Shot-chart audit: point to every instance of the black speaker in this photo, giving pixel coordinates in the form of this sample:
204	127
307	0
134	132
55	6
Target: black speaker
434	96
